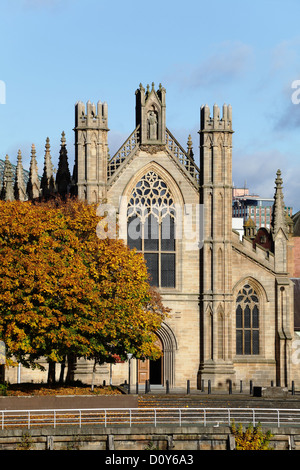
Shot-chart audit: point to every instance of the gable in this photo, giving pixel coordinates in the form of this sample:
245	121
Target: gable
132	148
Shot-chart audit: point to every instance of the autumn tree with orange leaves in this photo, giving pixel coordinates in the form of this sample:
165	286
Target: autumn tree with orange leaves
64	292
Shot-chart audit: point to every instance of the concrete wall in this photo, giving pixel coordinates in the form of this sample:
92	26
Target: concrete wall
165	438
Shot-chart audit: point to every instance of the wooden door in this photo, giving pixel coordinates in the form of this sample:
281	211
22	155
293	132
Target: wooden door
144	366
143	371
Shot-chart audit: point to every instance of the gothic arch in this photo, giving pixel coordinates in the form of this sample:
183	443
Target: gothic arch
158	214
163	174
254	283
169	343
220	332
220	270
221	215
250	299
209	332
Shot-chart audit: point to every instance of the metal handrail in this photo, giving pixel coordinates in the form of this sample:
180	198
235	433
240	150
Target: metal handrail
151	416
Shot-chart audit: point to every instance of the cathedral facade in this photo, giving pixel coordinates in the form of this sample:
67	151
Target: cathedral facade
231	301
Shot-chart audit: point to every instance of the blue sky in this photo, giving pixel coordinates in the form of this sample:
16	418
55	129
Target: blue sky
246	53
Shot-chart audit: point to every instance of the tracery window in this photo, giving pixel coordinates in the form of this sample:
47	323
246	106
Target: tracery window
247	321
151	218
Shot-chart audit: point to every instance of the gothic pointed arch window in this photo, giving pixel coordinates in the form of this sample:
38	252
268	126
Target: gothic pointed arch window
247	321
151	218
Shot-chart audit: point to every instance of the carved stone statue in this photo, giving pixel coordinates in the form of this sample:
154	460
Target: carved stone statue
152	125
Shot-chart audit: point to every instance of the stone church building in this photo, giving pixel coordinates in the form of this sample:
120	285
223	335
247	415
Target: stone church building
231	300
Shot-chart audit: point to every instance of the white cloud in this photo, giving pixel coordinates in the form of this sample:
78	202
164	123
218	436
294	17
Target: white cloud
228	62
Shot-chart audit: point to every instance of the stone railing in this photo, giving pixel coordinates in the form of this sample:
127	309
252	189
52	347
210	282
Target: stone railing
123	153
171	143
181	155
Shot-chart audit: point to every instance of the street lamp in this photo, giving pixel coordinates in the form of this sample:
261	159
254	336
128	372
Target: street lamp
129	356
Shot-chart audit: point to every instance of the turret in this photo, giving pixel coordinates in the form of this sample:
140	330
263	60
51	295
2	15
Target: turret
19	187
33	185
215	254
279	227
91	151
7	193
47	182
279	220
90	116
151	114
216	122
63	177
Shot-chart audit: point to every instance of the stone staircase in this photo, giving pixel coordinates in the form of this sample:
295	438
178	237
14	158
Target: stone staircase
170	401
214	401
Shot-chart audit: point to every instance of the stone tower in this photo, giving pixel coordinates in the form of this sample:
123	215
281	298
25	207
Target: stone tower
215	256
91	151
283	292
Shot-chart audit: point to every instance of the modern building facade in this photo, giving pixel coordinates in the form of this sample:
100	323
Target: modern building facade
254	207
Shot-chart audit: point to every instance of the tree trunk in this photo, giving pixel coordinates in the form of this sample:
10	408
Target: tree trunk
51	373
62	370
71	368
2	373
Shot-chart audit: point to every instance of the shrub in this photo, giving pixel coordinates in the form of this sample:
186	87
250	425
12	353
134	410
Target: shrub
3	389
252	438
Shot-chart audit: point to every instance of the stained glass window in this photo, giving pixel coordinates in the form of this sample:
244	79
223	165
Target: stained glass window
247	321
151	228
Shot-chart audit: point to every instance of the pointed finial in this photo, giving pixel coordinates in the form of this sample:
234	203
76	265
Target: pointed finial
278	180
189	142
278	215
47	145
63	138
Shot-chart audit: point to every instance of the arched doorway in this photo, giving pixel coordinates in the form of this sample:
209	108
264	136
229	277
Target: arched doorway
152	370
162	370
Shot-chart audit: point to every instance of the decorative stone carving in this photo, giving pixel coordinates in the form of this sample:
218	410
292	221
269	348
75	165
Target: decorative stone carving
152	149
152	125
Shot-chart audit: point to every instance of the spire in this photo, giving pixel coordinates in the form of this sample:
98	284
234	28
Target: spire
19	187
278	215
190	153
190	147
7	193
33	185
63	177
47	182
